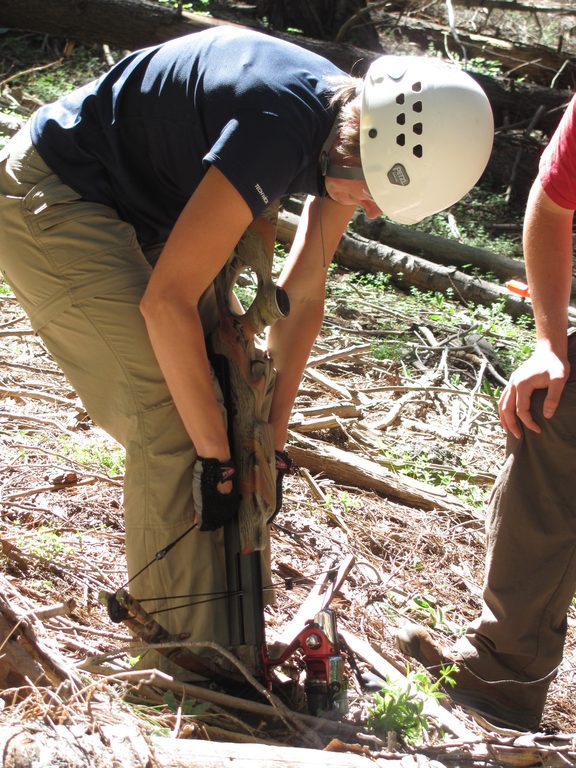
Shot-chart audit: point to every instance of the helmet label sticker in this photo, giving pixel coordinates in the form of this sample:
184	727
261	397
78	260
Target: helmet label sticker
398	175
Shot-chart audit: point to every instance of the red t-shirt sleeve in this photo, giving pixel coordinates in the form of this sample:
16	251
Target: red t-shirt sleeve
557	170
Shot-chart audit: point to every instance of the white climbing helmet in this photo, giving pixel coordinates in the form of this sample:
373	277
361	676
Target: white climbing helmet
426	133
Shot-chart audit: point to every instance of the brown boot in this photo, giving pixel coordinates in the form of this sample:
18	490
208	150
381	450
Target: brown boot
492	700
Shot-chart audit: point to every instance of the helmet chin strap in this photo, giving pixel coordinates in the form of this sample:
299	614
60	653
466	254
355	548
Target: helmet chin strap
353	172
336	171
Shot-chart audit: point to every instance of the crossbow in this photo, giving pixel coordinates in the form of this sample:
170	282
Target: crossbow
246	377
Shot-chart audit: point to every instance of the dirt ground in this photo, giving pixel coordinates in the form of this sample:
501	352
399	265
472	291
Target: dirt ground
61	525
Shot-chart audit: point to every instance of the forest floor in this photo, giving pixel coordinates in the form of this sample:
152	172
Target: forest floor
424	409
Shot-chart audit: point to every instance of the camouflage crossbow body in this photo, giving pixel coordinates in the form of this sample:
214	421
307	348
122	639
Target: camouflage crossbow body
246	376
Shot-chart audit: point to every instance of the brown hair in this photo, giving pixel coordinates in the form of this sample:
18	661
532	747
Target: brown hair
343	92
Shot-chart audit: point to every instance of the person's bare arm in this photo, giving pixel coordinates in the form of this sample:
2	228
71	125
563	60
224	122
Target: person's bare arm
304	279
200	243
548	255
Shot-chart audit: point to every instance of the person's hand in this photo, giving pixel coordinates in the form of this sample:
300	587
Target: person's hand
215	492
545	369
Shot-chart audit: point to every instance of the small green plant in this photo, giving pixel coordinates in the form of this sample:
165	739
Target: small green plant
388	350
427	609
196	6
343	504
482	66
44	542
372	279
5	289
399	706
103	455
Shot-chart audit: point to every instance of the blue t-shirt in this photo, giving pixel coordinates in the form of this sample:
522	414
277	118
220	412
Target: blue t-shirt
141	137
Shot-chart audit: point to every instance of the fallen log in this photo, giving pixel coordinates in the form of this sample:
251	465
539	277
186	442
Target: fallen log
363	255
536	62
132	24
349	469
83	746
440	249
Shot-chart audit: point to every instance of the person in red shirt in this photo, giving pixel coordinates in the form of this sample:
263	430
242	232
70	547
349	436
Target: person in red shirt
512	652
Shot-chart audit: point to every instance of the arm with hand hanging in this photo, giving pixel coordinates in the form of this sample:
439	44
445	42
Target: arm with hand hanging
194	254
548	255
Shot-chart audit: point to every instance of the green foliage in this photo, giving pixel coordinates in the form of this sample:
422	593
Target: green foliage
5	289
483	66
423	465
102	454
72	71
426	610
195	6
399	706
377	280
343	504
387	350
44	542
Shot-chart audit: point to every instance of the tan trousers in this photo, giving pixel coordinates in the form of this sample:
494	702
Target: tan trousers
79	273
531	557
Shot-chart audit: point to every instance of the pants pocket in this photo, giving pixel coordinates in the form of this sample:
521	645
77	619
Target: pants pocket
69	228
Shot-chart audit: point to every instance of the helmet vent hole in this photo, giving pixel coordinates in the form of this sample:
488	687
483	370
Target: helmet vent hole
401	140
401	119
417	128
400	98
417	87
417	151
417	106
372	133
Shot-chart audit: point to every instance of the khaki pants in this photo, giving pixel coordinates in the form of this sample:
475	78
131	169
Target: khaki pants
79	273
531	557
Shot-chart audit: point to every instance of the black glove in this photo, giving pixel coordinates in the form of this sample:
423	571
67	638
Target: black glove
283	467
214	509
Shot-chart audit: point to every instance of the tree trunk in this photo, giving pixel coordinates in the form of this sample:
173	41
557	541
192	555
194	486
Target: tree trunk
137	23
121	23
322	19
538	63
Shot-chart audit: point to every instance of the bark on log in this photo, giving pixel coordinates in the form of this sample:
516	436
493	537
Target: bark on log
122	745
121	23
438	249
137	23
349	469
514	5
